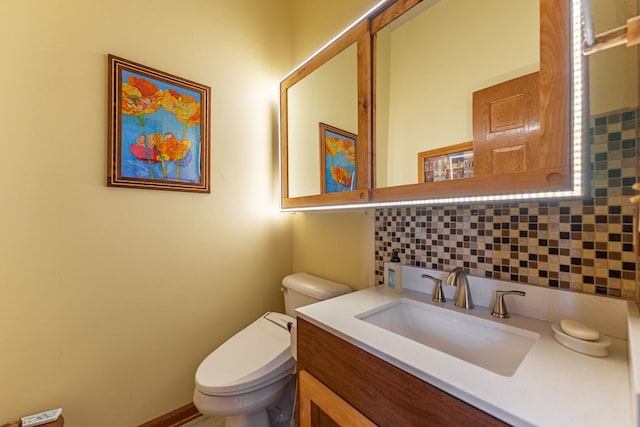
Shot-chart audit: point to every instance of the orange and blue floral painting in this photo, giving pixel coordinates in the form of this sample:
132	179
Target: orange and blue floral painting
339	159
160	130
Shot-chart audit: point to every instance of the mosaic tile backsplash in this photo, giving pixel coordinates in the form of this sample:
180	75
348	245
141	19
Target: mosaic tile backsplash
581	245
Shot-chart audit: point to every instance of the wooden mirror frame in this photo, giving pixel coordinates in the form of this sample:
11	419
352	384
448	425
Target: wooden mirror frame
556	121
360	35
555	118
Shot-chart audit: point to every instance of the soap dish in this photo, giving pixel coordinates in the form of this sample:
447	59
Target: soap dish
599	348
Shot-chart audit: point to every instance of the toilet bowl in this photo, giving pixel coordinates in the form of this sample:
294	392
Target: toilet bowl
247	373
250	371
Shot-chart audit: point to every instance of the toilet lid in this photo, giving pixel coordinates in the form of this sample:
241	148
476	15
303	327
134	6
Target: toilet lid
259	353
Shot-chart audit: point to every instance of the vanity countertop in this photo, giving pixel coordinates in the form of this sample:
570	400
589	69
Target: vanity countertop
553	386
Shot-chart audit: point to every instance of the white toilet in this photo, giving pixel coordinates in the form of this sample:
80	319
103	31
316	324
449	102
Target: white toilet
251	370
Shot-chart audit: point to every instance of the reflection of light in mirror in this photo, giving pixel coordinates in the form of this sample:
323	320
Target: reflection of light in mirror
356	22
577	136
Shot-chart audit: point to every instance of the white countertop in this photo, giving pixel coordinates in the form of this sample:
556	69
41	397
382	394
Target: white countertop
553	386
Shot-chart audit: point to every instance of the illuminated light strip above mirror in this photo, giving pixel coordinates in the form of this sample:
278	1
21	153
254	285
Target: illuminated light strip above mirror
577	133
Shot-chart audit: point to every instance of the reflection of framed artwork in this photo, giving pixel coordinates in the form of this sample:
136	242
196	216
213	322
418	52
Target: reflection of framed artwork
337	159
452	162
158	129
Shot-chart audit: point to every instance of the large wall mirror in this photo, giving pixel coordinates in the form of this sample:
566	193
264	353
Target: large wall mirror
430	61
337	81
484	86
325	125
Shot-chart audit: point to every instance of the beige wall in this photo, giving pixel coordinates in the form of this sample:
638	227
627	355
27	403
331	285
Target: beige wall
111	297
335	245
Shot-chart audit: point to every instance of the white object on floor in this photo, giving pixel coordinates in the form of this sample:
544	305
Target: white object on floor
41	418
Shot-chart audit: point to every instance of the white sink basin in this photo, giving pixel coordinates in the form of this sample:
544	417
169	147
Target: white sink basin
497	347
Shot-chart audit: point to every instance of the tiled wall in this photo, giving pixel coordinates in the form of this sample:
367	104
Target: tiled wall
582	245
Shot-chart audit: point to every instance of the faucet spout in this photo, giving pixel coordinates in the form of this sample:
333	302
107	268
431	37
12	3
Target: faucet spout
458	278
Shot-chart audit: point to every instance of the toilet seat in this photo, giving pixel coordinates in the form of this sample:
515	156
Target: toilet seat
253	358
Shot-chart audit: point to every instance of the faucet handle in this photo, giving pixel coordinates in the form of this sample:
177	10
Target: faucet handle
499	307
437	293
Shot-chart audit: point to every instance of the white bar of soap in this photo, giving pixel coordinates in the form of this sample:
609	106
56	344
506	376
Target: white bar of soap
578	330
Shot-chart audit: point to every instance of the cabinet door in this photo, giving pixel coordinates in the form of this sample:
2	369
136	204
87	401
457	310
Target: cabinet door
313	392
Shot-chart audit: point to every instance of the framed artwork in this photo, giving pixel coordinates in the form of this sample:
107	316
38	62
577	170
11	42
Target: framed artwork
158	129
452	162
337	159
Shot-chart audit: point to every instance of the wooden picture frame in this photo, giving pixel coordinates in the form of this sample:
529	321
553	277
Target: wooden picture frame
337	159
446	163
159	131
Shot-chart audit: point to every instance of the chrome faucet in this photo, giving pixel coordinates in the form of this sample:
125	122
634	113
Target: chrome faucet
458	278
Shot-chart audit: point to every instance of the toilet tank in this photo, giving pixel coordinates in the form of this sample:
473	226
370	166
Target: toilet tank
302	289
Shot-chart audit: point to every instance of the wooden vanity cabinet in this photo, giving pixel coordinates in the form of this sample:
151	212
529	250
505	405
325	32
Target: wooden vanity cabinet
355	383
